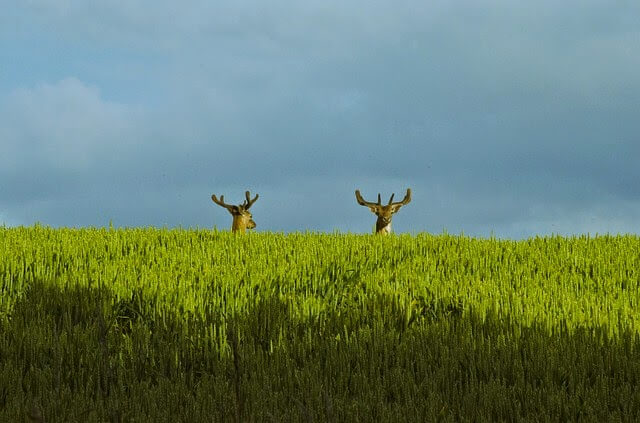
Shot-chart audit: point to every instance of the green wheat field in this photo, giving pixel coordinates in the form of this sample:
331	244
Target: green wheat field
166	325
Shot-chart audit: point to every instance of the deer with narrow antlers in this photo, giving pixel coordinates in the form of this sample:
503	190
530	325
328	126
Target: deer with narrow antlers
384	213
242	218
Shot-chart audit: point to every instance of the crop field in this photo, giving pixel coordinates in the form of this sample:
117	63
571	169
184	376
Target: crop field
166	325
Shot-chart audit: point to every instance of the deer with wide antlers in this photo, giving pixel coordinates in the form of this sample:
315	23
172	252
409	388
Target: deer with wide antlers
384	213
242	218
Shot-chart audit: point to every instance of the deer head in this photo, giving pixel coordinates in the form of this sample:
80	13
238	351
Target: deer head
242	218
384	213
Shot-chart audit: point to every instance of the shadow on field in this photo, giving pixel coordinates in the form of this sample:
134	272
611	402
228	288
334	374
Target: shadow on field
85	354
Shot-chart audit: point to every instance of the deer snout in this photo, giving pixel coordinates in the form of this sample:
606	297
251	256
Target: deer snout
251	224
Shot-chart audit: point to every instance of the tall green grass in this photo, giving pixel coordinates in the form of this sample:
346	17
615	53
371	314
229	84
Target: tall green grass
197	325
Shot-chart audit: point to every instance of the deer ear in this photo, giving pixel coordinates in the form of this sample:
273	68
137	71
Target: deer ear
373	209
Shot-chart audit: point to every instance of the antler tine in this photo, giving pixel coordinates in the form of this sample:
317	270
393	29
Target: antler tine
362	201
405	200
220	202
249	201
391	199
379	200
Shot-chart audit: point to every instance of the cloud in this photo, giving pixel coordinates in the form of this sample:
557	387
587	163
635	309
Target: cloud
55	137
65	126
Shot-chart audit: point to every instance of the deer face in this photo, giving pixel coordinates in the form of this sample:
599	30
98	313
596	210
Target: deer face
243	216
251	224
385	212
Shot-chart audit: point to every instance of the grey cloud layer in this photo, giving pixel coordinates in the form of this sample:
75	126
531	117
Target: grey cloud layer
516	119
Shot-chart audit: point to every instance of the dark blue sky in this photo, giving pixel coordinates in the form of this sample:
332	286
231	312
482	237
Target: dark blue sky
508	118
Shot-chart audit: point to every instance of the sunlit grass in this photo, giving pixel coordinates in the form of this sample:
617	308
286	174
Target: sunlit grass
149	323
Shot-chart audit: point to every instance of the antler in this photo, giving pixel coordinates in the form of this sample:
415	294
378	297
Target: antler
406	200
362	202
221	202
249	202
